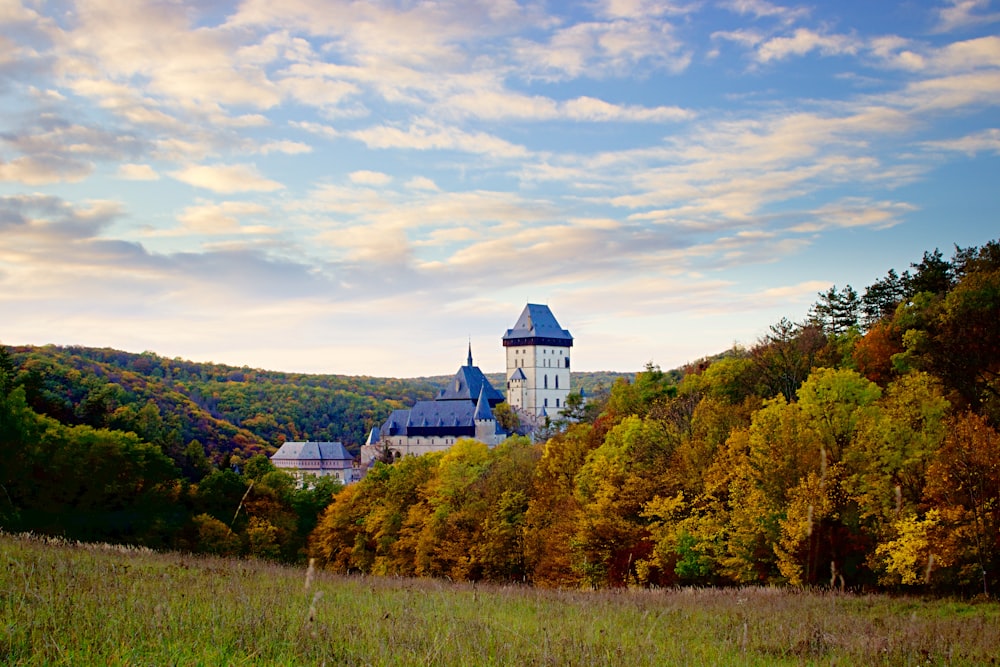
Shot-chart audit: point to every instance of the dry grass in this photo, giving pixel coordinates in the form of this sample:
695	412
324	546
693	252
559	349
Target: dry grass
65	604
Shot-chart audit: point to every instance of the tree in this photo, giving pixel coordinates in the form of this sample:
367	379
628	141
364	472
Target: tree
932	274
507	417
215	537
258	466
964	483
784	358
196	464
837	311
881	298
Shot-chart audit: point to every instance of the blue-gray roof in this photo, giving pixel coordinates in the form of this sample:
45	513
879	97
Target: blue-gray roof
483	411
441	414
312	451
537	326
467	385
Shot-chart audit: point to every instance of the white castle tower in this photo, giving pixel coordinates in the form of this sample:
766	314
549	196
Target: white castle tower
537	363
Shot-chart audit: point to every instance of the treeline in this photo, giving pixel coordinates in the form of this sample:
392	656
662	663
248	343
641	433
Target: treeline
99	444
858	448
99	484
230	411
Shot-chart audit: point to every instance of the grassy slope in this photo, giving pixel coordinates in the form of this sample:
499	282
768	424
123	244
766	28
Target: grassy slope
62	604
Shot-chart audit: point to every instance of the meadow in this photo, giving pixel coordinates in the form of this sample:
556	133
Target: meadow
67	603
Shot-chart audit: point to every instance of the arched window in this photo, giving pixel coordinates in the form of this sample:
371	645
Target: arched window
557	386
546	380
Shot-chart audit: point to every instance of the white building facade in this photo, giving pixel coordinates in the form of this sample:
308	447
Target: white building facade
538	363
319	459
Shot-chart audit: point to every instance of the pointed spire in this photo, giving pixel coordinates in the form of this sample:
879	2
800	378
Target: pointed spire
470	353
483	412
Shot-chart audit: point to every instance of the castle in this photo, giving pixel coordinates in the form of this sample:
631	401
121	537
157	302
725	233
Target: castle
538	381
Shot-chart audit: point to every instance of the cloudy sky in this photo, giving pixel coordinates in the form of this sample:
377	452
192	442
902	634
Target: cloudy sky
365	187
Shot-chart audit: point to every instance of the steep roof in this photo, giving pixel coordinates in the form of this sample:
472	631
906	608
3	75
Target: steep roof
312	451
467	384
441	414
483	412
395	424
537	324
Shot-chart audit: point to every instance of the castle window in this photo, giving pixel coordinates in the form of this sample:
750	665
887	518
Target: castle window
557	386
546	381
567	362
546	402
557	402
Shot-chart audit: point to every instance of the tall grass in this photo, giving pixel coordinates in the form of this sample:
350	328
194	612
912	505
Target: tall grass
71	604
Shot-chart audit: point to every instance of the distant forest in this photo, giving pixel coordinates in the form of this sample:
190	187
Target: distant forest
228	410
857	448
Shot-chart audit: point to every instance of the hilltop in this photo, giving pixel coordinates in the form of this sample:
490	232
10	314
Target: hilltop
229	410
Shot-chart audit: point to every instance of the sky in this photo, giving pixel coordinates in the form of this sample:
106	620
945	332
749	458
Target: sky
366	188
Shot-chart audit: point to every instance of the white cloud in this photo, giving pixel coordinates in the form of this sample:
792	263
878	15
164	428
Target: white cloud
965	13
804	41
987	141
763	9
222	218
286	147
591	109
45	169
226	179
137	172
857	212
365	177
422	183
425	134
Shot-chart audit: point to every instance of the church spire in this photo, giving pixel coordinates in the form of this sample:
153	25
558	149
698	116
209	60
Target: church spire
470	353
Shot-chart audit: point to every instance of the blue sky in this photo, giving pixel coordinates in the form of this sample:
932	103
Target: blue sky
365	187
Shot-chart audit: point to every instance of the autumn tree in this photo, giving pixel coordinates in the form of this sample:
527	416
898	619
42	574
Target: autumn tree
963	484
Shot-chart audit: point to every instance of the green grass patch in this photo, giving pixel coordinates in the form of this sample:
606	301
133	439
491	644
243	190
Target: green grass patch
73	604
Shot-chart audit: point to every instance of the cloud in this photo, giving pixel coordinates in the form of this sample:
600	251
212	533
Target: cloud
987	141
965	13
222	218
370	178
804	41
762	9
45	169
159	45
591	109
601	49
425	134
137	172
286	147
226	179
422	183
856	212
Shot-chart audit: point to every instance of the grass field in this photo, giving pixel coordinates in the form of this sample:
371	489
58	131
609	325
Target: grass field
64	604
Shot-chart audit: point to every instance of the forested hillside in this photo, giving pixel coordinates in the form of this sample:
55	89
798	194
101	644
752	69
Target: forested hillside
858	448
228	410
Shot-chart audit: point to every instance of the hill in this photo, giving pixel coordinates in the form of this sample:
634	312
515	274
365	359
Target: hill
227	409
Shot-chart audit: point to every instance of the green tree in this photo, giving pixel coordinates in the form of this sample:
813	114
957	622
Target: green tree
196	463
507	417
258	466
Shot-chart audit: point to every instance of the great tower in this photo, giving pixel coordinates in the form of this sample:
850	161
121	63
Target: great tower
538	362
